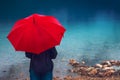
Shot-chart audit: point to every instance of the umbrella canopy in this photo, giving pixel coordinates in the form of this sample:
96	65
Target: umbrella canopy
36	33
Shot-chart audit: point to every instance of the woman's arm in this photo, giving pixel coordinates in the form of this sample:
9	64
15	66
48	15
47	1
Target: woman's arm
28	55
53	53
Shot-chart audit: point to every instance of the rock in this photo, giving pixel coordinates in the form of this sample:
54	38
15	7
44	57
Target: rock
101	74
77	78
113	61
98	66
83	71
118	63
76	69
93	72
27	78
68	77
108	68
104	69
56	78
71	70
89	69
106	63
76	65
105	66
63	60
109	72
83	62
72	61
117	73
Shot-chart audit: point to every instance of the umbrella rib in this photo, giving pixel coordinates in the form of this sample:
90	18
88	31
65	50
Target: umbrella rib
54	24
49	33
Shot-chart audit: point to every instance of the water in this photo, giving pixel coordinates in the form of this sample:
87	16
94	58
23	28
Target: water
7	53
92	42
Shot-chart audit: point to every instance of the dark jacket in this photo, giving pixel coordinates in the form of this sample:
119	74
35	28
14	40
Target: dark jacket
42	63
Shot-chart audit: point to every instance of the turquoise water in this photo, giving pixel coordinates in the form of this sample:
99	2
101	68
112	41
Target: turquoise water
93	41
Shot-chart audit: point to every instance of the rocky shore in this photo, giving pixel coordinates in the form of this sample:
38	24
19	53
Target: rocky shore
106	70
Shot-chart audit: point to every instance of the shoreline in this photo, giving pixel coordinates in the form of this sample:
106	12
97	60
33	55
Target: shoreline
20	71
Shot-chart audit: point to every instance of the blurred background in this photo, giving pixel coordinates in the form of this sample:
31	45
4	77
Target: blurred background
92	28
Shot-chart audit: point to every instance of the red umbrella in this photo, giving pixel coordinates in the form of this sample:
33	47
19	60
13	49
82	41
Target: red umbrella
36	33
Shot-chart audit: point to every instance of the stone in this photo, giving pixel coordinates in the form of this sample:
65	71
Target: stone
98	65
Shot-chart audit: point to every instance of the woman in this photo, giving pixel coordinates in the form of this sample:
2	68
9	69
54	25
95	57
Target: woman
41	65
